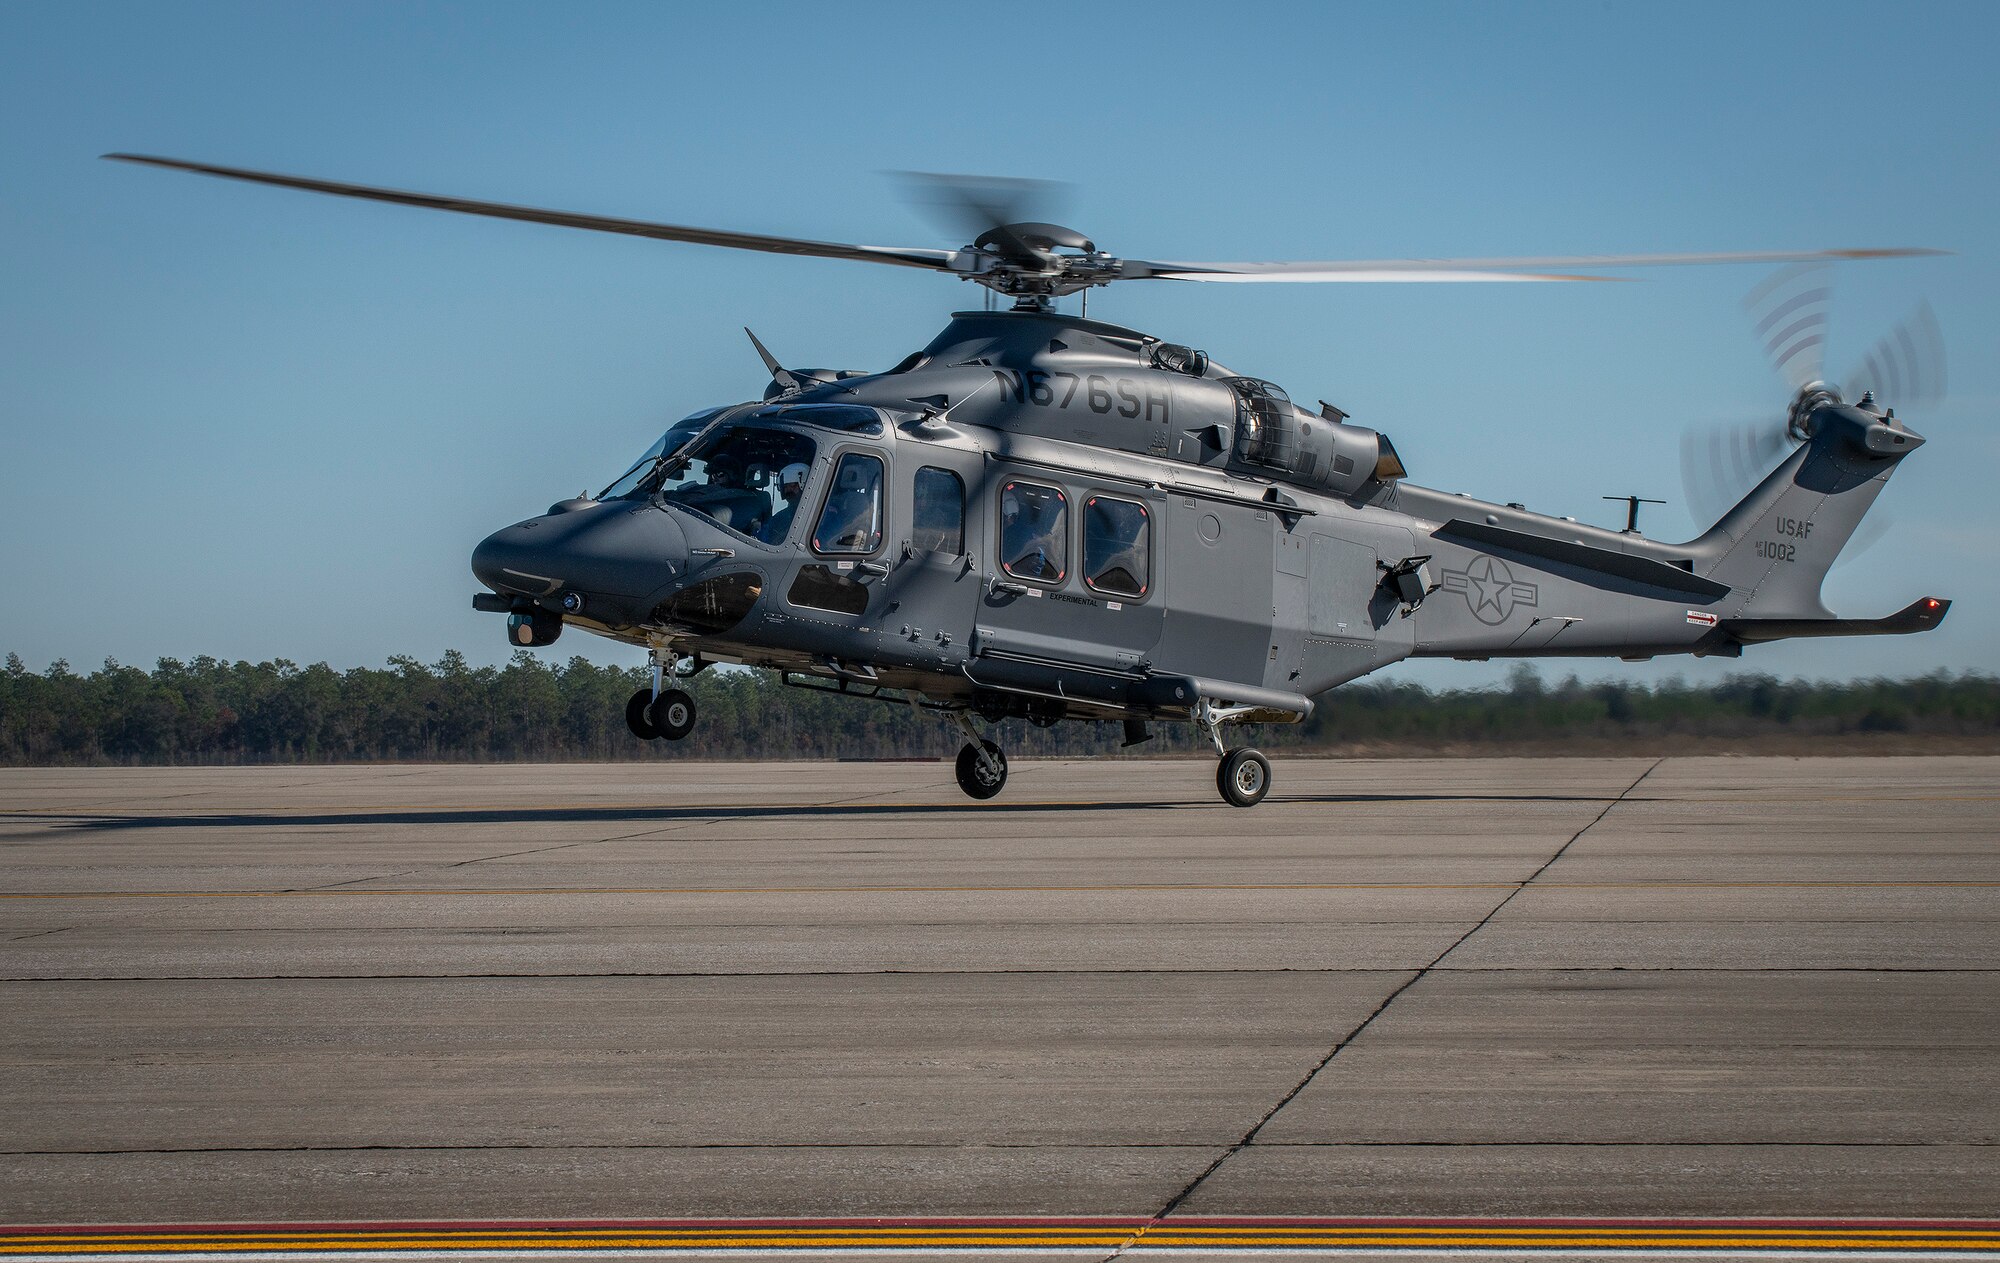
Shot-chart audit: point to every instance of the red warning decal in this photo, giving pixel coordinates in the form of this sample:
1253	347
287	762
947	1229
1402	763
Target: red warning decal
1700	619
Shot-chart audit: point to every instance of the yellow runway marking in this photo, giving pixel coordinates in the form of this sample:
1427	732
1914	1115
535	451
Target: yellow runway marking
1159	888
873	890
1244	1235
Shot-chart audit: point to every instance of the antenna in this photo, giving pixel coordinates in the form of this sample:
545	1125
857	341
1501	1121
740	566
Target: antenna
937	420
1632	504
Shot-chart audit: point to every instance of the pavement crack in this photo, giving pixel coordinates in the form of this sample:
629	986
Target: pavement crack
22	938
1249	1137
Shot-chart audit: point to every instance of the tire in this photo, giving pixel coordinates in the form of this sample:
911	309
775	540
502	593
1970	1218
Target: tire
635	716
672	714
973	778
1244	777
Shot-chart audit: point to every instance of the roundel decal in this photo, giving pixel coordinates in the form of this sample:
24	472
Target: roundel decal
1490	590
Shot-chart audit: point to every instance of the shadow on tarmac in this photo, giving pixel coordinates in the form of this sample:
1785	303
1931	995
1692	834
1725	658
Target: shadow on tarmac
629	814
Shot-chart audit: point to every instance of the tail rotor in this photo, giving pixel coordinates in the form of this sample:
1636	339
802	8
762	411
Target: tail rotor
1791	314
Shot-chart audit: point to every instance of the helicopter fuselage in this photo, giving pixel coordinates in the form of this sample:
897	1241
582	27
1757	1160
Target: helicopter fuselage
1062	518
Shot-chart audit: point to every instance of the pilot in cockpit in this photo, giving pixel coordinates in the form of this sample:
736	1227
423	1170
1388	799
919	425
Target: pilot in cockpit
791	486
723	496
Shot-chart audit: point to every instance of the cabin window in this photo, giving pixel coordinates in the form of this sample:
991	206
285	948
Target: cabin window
851	520
1034	532
1117	546
938	523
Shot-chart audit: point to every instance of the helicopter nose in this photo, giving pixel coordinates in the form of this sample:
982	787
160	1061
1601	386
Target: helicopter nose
613	549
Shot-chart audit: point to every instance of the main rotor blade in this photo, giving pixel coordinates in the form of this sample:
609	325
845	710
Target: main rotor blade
937	260
1550	268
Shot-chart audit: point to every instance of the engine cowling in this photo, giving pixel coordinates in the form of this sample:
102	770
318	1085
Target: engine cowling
1277	439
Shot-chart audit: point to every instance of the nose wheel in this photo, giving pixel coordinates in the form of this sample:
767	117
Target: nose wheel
659	712
1244	777
635	716
671	714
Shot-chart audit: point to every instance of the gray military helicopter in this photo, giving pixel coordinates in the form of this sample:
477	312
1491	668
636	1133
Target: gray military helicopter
1047	517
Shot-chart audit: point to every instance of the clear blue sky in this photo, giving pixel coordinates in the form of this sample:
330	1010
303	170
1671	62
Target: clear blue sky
257	423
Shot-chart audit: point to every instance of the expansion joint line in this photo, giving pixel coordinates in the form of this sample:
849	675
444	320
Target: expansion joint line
1249	1137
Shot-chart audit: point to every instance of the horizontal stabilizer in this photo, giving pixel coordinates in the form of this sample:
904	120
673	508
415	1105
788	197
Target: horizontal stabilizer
1628	566
1918	616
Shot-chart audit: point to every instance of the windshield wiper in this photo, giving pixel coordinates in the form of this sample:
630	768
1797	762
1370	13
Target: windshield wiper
666	464
653	464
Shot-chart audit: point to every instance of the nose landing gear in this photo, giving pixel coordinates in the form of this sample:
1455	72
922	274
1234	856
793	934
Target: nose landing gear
656	713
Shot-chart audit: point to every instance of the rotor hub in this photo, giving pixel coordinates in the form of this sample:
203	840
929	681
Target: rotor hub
1033	262
1810	398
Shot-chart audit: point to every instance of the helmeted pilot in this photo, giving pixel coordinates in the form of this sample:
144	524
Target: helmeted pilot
791	486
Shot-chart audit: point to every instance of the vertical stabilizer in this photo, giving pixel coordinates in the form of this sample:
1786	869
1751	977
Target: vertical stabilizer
1774	548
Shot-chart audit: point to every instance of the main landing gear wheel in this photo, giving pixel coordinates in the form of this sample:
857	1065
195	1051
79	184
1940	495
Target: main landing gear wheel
635	716
974	777
672	714
1244	777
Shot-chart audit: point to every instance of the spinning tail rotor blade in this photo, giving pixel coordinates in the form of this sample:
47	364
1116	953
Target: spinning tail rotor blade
1907	365
1790	313
1720	464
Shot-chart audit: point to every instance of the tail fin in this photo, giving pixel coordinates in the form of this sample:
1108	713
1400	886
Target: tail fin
1774	548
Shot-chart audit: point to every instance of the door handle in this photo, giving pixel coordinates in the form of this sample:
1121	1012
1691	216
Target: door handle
1016	589
871	567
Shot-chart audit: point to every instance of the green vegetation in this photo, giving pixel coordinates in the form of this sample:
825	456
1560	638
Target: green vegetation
207	711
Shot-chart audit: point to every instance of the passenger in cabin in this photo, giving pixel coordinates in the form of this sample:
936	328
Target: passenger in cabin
1031	522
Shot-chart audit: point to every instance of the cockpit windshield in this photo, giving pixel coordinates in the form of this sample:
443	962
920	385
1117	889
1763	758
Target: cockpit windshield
627	486
745	477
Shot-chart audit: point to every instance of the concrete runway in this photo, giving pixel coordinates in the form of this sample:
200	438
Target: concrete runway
1614	987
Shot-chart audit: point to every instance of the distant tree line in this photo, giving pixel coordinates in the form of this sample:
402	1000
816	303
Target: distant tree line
209	711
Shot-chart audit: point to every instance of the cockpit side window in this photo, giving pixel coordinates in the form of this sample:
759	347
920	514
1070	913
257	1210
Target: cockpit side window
851	519
1034	532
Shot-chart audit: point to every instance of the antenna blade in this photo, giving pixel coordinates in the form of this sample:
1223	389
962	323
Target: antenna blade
778	372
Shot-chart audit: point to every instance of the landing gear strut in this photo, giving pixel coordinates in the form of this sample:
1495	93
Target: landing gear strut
1244	776
657	712
982	765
